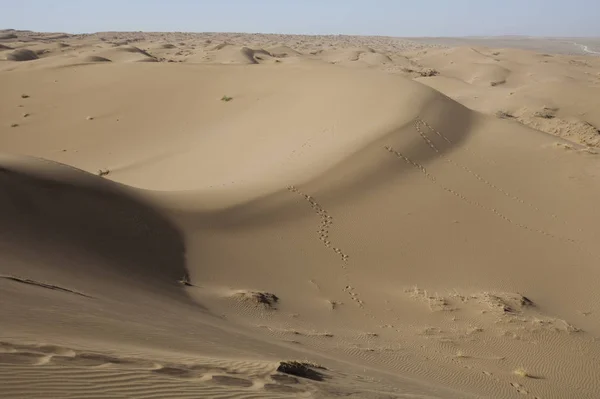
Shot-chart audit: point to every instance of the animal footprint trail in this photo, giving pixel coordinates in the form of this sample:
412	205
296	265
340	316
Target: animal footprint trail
467	200
323	233
326	222
412	163
424	136
519	388
447	140
419	122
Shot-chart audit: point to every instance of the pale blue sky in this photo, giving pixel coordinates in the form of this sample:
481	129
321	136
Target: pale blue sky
363	17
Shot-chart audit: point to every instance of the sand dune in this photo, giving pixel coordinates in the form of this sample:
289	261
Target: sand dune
70	214
256	222
225	53
96	58
127	54
522	85
7	36
282	51
22	55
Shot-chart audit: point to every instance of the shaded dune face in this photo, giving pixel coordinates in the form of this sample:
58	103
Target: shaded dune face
22	55
95	58
83	225
365	168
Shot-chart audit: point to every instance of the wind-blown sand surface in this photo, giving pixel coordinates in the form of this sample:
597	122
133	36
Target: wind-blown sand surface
187	215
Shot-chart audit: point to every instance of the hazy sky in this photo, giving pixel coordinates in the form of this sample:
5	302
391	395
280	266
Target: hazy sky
363	17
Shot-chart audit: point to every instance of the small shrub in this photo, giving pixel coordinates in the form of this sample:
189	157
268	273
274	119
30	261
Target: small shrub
428	72
226	99
521	372
265	299
185	280
546	113
302	370
103	172
504	114
22	55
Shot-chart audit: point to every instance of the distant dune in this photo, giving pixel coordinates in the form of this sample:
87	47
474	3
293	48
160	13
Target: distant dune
22	55
7	36
554	45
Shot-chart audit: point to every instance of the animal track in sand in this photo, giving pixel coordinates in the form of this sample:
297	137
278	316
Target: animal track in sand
323	233
476	204
520	388
448	141
326	222
420	123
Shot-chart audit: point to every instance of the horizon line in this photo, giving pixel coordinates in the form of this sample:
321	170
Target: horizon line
300	34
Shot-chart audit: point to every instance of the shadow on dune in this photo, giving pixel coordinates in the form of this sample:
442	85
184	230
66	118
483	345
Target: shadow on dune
360	173
61	222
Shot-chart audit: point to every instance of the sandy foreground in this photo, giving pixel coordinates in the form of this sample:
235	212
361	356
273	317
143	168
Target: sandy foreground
265	216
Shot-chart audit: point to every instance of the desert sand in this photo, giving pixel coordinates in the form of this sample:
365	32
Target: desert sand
271	216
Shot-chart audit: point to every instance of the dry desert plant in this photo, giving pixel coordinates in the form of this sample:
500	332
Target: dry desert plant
521	372
428	72
546	113
302	369
504	114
